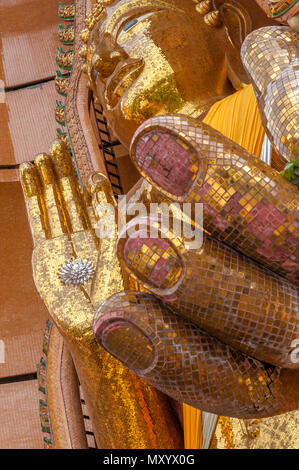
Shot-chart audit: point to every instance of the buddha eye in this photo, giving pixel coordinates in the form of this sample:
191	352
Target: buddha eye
128	25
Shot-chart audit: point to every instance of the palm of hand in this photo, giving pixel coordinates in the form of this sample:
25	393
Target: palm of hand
70	306
62	223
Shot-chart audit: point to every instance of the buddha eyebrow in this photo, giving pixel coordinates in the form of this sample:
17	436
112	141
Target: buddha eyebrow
129	23
147	5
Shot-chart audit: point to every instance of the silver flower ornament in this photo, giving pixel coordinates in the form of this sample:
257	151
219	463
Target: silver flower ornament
76	272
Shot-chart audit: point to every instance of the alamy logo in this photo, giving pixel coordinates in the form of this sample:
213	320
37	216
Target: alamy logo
2	92
185	221
295	353
2	352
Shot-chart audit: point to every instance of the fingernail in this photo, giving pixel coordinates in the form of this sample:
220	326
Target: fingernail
99	188
124	340
97	182
154	261
28	180
168	161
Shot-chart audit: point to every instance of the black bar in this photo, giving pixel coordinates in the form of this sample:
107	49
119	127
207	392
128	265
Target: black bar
111	163
9	167
106	146
101	121
18	378
114	458
12	167
114	143
113	175
106	156
106	151
105	142
29	85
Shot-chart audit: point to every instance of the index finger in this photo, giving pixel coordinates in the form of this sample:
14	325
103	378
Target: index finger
245	202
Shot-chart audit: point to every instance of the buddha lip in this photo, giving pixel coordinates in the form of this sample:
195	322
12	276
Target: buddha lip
123	77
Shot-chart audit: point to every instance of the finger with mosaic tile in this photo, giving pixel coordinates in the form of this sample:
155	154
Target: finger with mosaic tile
246	203
186	363
220	290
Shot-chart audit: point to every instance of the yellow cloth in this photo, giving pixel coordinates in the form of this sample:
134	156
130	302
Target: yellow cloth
238	118
192	427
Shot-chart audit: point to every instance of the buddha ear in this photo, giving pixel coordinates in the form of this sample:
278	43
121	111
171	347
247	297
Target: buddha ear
238	24
236	20
239	18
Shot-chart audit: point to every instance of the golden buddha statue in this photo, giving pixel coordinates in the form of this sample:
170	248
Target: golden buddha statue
141	70
215	325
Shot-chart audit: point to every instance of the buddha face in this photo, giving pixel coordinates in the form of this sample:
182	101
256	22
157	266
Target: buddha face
155	57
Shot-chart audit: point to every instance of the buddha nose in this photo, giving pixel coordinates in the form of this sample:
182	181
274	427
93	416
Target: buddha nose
107	55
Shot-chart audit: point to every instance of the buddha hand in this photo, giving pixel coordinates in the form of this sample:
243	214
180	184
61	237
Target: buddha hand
218	324
74	272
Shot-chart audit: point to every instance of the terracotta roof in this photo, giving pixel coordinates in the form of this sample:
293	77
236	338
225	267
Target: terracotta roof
28	41
27	123
22	312
20	422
